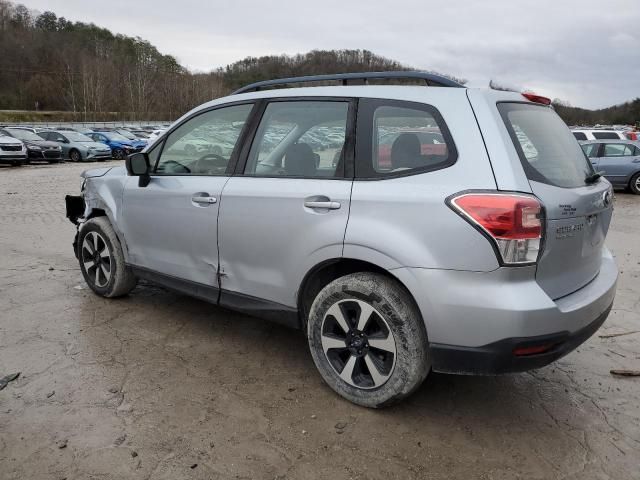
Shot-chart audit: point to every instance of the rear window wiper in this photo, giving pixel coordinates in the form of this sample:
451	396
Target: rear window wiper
593	177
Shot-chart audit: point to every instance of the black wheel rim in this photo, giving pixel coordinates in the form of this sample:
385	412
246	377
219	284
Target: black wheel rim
358	344
96	259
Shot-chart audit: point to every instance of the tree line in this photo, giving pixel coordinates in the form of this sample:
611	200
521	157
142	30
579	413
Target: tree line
50	63
626	114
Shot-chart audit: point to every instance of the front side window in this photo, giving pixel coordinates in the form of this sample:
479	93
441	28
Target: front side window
618	150
401	138
591	149
204	144
580	135
300	139
547	150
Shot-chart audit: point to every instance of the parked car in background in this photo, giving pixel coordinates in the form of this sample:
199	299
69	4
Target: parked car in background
120	146
23	127
595	134
618	160
153	136
143	134
632	135
487	257
76	146
12	151
135	141
37	147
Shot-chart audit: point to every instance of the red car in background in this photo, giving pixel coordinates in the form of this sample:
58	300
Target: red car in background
431	143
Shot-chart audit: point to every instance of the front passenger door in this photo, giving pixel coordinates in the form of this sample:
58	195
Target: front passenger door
170	225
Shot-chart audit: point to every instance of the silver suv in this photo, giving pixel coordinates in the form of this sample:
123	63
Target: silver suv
404	228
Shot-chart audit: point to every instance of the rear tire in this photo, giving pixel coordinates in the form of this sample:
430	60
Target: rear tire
368	340
634	184
75	156
118	154
102	261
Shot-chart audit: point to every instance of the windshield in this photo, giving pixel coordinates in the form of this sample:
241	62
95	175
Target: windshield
127	134
24	134
76	137
114	136
548	151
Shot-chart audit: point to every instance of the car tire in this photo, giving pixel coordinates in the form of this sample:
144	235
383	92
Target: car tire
102	260
634	184
75	155
17	163
385	356
118	154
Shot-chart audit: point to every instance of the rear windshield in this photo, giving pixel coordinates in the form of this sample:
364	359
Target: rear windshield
548	151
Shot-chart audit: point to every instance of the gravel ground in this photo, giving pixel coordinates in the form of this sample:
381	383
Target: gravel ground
162	386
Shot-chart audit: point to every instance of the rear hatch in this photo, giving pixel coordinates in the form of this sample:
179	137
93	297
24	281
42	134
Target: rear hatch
577	209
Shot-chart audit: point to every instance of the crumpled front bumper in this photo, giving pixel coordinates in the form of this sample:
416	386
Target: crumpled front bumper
75	210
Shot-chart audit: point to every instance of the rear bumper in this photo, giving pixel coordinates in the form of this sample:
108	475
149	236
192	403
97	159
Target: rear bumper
498	357
474	320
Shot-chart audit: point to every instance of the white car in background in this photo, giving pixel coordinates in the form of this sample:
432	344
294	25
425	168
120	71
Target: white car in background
12	151
598	134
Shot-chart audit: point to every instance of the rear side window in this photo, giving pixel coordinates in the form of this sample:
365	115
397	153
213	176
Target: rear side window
606	135
547	150
401	138
618	150
580	135
300	139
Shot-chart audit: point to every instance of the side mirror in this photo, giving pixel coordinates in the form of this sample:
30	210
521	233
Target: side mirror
138	166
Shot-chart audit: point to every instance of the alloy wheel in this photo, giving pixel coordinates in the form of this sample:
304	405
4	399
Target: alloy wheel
96	259
358	343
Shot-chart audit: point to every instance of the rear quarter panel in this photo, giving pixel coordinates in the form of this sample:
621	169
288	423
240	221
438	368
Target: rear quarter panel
405	222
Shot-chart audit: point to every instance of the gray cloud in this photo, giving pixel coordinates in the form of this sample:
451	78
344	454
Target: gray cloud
583	51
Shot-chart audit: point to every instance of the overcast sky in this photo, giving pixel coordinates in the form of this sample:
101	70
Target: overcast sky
584	51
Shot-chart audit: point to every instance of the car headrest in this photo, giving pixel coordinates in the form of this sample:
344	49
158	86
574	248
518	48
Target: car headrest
299	160
405	151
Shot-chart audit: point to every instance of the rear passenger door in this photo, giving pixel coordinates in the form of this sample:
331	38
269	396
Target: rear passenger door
619	161
286	208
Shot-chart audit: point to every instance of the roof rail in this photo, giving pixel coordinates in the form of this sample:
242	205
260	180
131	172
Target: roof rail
430	79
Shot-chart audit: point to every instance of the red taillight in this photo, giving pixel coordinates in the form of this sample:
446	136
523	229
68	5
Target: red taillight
512	221
537	98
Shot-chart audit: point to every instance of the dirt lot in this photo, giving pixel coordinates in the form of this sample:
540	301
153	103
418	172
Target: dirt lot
161	386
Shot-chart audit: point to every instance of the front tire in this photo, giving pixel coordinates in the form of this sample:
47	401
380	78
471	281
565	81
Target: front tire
102	261
634	184
75	156
118	154
368	340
